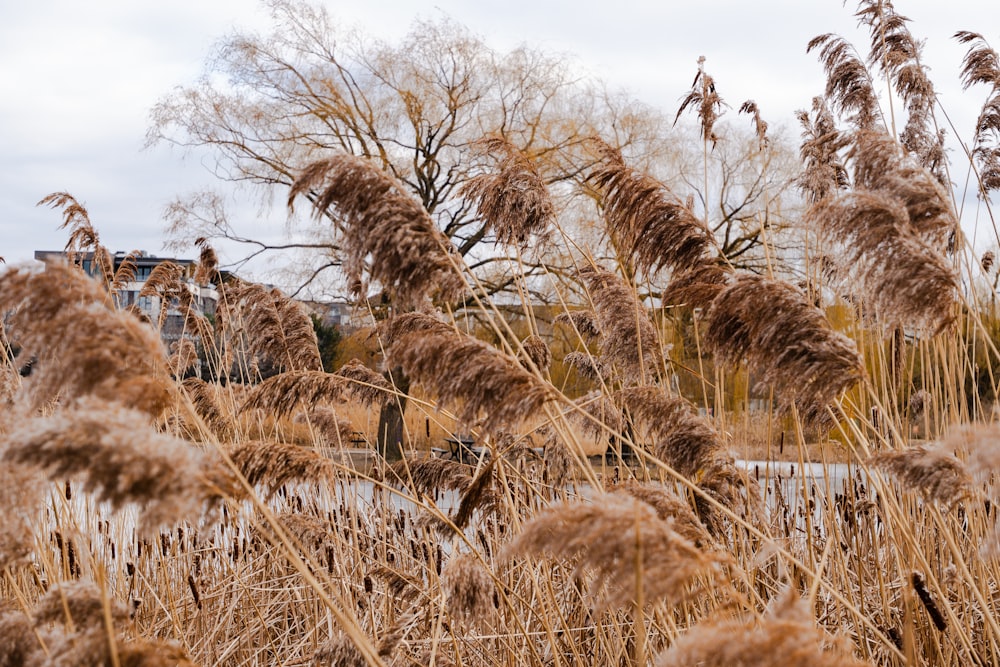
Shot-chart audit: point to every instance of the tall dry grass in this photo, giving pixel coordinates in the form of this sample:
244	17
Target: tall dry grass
228	519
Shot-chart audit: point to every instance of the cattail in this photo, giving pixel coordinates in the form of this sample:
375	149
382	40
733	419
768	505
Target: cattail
981	65
654	229
382	227
120	459
280	395
786	340
619	539
83	346
933	471
536	349
468	590
628	338
514	201
786	635
465	372
848	83
273	464
366	386
927	599
683	439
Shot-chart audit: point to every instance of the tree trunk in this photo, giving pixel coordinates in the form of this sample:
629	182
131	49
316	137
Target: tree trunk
390	419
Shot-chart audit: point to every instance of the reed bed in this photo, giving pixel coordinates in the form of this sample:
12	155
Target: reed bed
159	510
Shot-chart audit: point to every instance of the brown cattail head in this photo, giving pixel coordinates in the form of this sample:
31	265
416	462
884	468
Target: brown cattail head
786	340
654	228
513	201
619	539
383	227
628	338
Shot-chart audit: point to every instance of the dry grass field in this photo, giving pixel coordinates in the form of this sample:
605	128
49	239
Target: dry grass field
154	514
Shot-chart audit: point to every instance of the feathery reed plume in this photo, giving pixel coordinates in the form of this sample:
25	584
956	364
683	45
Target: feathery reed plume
183	357
824	172
514	201
280	395
613	538
365	385
786	635
686	441
145	653
536	350
597	415
730	487
273	464
671	508
330	429
204	398
78	601
987	261
759	124
786	340
982	444
120	459
82	234
468	590
20	498
982	65
480	494
463	371
933	471
897	53
381	225
905	280
83	346
207	270
125	273
697	285
19	646
166	283
848	83
428	476
276	328
339	651
589	366
708	102
584	322
653	228
628	339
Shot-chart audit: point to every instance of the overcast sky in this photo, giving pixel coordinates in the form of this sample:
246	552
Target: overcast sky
78	79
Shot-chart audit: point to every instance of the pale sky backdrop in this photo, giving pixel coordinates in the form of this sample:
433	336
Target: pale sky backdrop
78	79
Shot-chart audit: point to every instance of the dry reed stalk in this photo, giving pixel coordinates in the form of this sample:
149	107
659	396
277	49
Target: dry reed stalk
464	372
624	543
273	464
280	395
654	228
513	201
787	636
120	459
83	347
628	338
468	591
981	65
366	386
933	471
681	438
786	340
383	227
